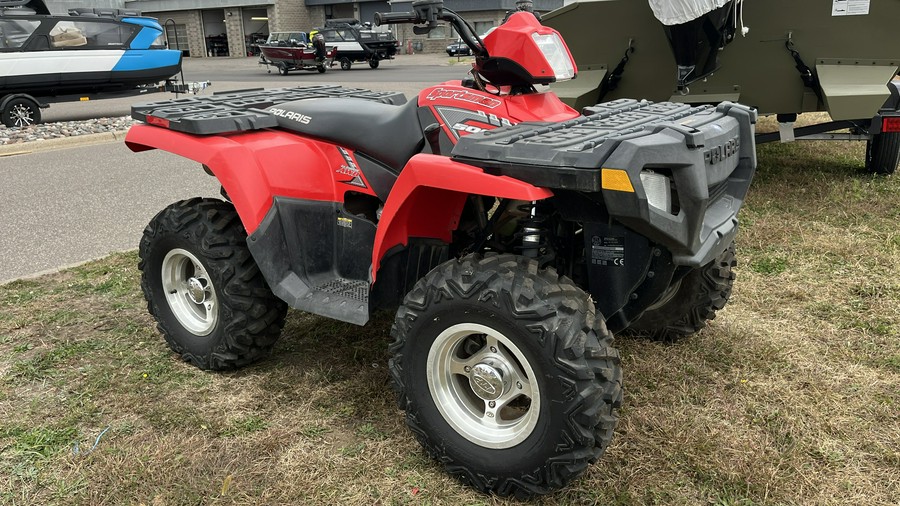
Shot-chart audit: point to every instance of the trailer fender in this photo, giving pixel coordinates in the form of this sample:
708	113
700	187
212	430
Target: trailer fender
428	198
250	167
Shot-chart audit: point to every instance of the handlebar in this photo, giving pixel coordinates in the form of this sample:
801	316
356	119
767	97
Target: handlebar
430	12
384	18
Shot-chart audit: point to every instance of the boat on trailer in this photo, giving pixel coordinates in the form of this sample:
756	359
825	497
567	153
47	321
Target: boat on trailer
287	51
89	51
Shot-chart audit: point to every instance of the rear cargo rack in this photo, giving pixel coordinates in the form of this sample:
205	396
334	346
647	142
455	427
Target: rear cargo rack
244	110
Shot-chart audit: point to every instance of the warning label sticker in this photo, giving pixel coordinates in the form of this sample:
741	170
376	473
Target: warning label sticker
608	251
850	7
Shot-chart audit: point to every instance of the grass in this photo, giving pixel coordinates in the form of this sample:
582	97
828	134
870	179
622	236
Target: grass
791	396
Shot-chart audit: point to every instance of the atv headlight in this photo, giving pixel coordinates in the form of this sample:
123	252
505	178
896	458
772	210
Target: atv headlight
555	53
657	188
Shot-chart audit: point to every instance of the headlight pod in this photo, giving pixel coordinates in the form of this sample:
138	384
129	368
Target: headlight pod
555	52
658	190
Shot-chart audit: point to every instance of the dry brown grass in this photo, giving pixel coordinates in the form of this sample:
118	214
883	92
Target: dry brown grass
791	396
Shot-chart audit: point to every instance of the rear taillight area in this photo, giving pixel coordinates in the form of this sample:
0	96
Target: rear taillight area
890	124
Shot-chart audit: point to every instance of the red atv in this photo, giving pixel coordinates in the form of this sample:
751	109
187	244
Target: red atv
512	232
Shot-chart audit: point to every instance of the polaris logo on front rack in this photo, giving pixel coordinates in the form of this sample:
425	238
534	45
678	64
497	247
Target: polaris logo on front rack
722	152
295	116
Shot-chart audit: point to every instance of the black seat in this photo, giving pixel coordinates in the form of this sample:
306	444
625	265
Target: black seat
388	133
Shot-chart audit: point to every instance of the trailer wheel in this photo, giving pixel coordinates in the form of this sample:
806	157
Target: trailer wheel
685	308
21	112
346	63
883	153
283	69
373	63
507	376
206	292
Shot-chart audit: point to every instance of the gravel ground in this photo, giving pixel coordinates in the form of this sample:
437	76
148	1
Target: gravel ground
45	131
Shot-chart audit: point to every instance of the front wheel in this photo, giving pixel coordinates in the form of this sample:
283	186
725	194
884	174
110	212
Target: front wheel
687	305
346	63
506	374
21	112
883	153
206	292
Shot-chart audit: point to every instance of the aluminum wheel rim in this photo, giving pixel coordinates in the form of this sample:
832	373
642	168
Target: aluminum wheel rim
21	115
483	386
189	292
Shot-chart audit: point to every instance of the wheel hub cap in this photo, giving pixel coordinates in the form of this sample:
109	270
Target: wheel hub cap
197	290
487	381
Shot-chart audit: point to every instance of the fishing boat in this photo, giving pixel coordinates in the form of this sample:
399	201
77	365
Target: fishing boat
88	51
287	51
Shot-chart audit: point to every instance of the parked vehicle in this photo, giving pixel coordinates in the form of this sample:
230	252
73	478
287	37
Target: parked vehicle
510	233
790	58
287	51
356	42
458	48
46	58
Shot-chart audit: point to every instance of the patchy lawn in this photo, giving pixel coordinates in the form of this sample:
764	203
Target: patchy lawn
791	396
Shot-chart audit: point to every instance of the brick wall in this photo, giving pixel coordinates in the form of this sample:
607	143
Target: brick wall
289	15
234	29
191	20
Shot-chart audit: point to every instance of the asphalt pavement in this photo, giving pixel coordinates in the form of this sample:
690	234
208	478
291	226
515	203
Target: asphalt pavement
64	206
406	73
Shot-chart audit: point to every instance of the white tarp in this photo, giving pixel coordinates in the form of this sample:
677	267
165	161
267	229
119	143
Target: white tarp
676	12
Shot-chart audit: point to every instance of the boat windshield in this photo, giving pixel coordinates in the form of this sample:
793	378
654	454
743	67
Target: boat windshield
290	39
14	32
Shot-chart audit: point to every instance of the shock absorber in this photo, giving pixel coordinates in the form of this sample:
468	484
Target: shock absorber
534	234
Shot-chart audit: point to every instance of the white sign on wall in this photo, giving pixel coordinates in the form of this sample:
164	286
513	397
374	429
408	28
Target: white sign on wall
849	7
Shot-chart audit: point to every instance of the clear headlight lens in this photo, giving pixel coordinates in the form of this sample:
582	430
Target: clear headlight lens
556	55
657	188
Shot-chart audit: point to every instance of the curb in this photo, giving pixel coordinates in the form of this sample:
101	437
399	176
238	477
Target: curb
24	148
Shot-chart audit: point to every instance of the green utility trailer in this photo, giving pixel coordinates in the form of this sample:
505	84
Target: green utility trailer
838	56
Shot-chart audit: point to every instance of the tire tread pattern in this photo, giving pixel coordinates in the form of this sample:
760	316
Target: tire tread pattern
252	316
563	320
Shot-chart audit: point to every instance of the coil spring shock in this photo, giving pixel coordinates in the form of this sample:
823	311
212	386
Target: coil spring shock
534	234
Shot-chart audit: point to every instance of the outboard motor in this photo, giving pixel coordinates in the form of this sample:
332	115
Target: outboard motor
697	30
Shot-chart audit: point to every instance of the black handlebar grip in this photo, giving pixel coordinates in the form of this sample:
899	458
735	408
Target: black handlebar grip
382	18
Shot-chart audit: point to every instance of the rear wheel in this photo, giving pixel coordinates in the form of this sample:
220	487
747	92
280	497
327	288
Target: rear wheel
21	112
883	153
685	308
346	63
209	298
373	63
507	376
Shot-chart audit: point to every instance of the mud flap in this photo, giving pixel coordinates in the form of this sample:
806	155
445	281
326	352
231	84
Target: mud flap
328	272
855	91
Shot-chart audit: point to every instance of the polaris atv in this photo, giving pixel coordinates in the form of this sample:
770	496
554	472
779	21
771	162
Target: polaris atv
510	233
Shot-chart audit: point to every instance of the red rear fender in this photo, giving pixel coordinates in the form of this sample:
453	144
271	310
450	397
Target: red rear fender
428	198
252	167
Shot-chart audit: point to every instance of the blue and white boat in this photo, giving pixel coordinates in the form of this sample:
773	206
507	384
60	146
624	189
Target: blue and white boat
87	52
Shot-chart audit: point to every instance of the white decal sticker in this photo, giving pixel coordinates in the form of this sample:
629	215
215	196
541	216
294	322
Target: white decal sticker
850	7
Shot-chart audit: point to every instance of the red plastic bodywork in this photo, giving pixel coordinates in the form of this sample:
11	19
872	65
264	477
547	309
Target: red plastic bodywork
255	167
429	196
513	108
430	192
512	40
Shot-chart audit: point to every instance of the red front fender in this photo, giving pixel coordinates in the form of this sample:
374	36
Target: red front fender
428	198
251	167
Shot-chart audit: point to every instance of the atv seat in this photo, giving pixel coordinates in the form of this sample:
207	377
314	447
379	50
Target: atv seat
388	133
